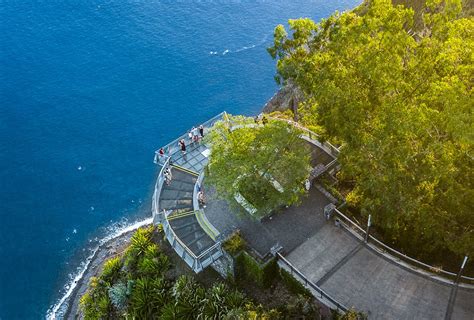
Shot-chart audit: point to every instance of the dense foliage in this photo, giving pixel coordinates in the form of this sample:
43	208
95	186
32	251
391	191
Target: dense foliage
401	103
138	285
246	157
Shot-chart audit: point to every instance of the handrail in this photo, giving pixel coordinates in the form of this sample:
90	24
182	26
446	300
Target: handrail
185	247
158	186
172	147
215	245
208	228
322	293
350	221
400	255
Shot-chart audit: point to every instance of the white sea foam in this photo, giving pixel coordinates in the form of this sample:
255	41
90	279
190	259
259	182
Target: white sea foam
121	228
228	51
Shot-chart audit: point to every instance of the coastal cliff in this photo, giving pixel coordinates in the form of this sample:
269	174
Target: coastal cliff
287	97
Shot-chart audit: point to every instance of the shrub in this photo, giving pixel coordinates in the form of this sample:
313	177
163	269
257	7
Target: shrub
249	268
234	244
141	240
349	315
160	228
153	263
118	296
111	270
302	306
95	305
141	244
148	297
293	285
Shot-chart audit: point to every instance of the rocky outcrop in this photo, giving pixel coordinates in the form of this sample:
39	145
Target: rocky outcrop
286	98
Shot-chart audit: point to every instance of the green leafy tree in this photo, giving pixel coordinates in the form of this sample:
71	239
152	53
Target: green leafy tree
251	159
401	103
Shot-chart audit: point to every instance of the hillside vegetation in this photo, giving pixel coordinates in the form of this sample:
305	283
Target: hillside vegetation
400	101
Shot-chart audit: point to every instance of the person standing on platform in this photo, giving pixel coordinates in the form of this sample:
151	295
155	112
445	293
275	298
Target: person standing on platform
182	145
161	155
201	130
190	136
168	176
195	133
201	199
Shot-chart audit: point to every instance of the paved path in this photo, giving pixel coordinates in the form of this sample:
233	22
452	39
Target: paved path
358	277
290	228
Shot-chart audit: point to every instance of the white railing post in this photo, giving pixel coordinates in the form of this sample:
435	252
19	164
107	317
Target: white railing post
368	228
461	269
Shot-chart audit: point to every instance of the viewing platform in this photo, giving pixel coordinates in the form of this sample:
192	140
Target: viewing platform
175	204
330	257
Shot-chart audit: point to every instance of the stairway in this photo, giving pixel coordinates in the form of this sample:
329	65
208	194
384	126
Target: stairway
178	195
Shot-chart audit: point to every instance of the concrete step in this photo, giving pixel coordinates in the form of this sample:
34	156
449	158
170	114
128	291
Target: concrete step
175	206
169	194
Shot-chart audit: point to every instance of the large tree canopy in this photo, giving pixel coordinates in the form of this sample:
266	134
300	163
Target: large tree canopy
251	159
401	103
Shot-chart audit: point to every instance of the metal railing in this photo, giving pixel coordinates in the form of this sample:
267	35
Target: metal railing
158	186
173	147
396	255
323	296
210	254
198	261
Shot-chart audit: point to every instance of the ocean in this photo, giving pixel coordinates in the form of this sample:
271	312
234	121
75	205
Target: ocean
88	91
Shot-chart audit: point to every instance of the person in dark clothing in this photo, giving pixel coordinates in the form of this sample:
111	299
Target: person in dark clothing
201	130
161	155
182	144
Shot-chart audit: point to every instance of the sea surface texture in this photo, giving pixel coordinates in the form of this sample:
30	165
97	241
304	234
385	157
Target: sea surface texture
88	91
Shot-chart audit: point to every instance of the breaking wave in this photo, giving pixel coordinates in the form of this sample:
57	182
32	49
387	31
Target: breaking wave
114	231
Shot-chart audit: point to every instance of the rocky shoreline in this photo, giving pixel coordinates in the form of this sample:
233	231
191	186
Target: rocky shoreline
106	251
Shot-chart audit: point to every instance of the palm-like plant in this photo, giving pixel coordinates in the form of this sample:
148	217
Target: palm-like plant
219	302
111	270
141	241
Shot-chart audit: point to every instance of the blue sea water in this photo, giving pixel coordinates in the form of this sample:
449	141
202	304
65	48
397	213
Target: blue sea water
88	91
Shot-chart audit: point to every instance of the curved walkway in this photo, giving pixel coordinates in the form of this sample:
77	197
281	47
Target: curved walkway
359	277
339	262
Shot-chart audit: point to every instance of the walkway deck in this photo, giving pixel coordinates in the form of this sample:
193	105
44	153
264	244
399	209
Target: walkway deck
357	276
334	259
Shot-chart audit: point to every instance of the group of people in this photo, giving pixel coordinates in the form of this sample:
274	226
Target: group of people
194	135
